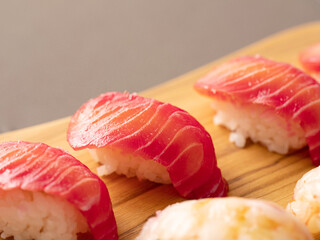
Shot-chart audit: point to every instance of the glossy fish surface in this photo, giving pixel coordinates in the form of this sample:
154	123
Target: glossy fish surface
39	167
310	58
280	87
156	131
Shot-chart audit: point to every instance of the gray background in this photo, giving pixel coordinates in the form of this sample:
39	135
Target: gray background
55	55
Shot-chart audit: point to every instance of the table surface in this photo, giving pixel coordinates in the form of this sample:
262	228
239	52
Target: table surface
251	172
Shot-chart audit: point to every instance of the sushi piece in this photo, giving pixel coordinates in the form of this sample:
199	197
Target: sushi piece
310	60
143	137
269	102
306	200
46	194
224	218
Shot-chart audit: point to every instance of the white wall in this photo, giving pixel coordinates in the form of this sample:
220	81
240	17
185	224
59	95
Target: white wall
54	55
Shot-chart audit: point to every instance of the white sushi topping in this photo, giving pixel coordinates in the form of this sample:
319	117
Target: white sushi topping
306	200
224	219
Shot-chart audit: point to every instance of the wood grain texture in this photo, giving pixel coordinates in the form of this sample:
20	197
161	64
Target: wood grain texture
251	172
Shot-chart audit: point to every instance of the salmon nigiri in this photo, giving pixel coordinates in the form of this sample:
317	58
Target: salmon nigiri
143	137
310	60
272	103
45	193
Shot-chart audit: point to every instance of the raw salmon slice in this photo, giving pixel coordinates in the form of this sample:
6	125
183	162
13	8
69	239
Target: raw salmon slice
134	131
280	103
36	167
310	58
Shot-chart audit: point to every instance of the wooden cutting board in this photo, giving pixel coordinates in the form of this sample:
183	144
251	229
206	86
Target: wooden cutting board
252	172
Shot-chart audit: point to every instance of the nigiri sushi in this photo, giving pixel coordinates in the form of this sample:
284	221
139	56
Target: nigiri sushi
143	137
306	200
224	218
270	102
47	194
310	60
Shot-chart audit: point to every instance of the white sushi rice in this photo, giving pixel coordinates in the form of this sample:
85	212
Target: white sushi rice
260	124
115	160
38	216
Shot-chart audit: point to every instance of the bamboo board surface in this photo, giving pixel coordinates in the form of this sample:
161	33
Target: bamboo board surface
251	172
